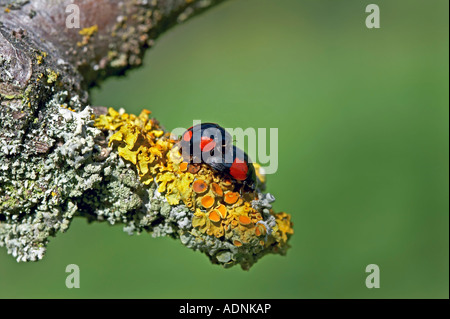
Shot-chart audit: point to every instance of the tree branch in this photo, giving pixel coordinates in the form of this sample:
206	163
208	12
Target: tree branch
56	156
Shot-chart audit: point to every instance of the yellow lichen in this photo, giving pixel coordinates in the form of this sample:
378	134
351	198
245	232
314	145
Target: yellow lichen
87	33
52	76
138	140
39	59
66	107
283	227
218	209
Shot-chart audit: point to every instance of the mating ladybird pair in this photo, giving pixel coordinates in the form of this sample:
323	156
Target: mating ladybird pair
211	144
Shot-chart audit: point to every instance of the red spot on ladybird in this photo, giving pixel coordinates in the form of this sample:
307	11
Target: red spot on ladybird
239	169
187	136
207	144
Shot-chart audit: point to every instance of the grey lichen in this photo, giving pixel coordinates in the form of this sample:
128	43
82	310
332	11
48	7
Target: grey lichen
41	176
41	193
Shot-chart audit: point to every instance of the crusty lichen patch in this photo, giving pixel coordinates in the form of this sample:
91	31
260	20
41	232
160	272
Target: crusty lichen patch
139	140
122	168
87	33
216	210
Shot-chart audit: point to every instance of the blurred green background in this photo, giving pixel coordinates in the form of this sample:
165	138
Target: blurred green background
363	154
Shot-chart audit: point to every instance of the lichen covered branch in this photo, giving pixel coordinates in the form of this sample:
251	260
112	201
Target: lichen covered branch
61	158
